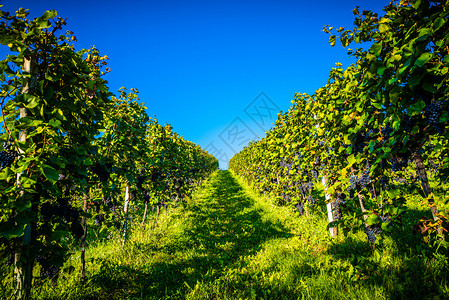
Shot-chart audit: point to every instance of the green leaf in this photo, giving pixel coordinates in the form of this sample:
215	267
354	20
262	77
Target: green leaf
351	160
383	28
381	70
54	123
88	162
50	14
429	86
376	49
423	59
13	231
50	173
415	79
417	107
332	40
438	23
48	93
394	94
386	226
393	193
416	4
372	219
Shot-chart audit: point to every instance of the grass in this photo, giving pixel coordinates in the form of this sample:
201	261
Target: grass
227	242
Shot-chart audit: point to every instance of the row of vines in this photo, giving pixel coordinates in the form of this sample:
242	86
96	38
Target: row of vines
375	134
72	154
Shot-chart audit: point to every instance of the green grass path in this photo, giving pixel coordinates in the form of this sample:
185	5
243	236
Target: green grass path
226	242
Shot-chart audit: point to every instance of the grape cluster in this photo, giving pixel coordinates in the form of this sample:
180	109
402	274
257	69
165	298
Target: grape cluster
156	176
300	207
108	202
372	232
352	181
408	123
384	182
101	171
350	191
372	134
398	164
64	210
364	178
140	180
315	174
385	218
7	156
433	113
10	261
386	132
99	219
311	200
47	269
359	143
285	197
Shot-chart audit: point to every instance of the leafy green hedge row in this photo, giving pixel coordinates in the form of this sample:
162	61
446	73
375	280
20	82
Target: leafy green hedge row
71	150
374	133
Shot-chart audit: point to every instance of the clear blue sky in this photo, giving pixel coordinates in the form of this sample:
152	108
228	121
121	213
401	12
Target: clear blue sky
199	64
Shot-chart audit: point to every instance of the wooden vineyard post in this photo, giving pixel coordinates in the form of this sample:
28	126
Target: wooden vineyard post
125	209
360	197
333	230
23	269
421	169
83	240
145	212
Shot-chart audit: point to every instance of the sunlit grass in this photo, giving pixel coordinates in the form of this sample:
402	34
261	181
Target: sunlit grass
227	242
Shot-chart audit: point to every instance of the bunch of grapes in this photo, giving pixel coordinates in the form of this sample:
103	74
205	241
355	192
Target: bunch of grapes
310	186
7	156
386	132
77	230
398	164
358	143
372	233
99	219
433	113
140	180
352	181
47	269
384	182
10	261
108	202
315	174
300	207
385	218
64	210
97	205
311	200
408	123
350	191
364	179
372	134
101	171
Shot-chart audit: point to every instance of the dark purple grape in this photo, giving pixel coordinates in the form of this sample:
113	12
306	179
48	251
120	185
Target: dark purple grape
372	232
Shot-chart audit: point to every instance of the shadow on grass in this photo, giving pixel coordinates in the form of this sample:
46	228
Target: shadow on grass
224	226
412	272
